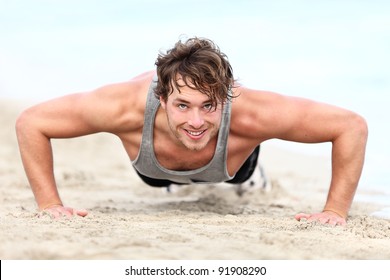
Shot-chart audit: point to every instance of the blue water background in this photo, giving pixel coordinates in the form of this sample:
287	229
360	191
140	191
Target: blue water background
332	51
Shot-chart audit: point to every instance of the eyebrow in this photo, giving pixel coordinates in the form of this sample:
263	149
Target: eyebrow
181	100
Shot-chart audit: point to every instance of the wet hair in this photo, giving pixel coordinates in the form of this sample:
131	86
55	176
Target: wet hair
201	66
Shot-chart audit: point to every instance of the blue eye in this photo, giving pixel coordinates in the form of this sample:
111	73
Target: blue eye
208	106
182	106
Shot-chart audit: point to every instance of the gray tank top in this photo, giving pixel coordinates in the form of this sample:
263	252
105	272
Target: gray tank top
146	162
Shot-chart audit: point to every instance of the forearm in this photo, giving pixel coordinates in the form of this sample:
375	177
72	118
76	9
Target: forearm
36	153
348	153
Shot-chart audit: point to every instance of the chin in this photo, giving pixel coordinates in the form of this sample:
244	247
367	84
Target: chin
195	147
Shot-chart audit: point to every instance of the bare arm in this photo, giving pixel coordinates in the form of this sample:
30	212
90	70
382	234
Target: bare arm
302	120
69	116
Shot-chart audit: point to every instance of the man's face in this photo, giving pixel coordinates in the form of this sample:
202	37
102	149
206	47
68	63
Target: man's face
192	119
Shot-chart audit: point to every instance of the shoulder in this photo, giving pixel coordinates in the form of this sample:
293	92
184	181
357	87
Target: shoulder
251	110
120	105
252	97
115	108
134	90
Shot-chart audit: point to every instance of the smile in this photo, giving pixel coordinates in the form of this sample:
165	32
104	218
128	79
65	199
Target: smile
195	133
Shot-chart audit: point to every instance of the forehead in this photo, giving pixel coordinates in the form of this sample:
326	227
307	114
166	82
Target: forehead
183	87
181	83
189	95
186	90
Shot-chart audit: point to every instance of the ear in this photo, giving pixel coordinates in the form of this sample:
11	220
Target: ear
163	103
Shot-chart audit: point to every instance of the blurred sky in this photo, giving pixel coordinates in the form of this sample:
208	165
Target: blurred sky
336	51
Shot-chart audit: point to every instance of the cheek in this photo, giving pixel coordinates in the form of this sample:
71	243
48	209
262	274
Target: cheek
174	116
214	117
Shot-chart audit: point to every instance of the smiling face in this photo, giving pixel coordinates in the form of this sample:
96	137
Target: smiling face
192	119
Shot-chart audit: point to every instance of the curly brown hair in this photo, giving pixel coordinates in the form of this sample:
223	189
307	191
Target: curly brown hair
201	66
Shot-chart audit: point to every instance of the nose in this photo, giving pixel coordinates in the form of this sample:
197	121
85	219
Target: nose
196	120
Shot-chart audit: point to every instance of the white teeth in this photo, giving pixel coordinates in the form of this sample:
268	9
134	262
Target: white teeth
195	133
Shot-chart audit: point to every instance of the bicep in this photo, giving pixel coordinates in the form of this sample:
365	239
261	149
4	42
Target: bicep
76	114
294	119
307	121
62	117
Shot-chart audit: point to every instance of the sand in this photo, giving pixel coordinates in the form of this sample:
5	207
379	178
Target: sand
129	220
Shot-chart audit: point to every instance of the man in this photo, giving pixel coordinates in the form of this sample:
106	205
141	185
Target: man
190	122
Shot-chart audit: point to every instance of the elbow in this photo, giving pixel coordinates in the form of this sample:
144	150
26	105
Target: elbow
360	126
22	124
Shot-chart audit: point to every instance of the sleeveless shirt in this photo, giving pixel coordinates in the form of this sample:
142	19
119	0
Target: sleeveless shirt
147	164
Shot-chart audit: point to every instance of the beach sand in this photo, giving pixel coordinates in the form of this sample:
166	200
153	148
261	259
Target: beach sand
129	220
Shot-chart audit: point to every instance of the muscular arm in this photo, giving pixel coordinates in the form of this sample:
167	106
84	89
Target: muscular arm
69	116
348	133
302	120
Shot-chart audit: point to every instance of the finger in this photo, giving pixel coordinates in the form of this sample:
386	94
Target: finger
300	216
333	222
329	219
71	212
343	222
340	222
54	214
67	212
81	212
323	220
335	219
78	212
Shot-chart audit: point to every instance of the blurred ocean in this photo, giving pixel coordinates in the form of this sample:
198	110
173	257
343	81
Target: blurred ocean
331	51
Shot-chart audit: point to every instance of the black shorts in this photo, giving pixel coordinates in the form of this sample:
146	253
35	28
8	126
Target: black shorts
243	174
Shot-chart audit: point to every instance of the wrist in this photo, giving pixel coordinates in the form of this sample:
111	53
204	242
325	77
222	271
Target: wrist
339	213
50	205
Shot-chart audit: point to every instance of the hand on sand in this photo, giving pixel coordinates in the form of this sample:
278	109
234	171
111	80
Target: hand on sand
59	211
326	217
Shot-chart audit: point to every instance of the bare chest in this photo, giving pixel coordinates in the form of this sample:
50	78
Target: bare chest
181	160
171	157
